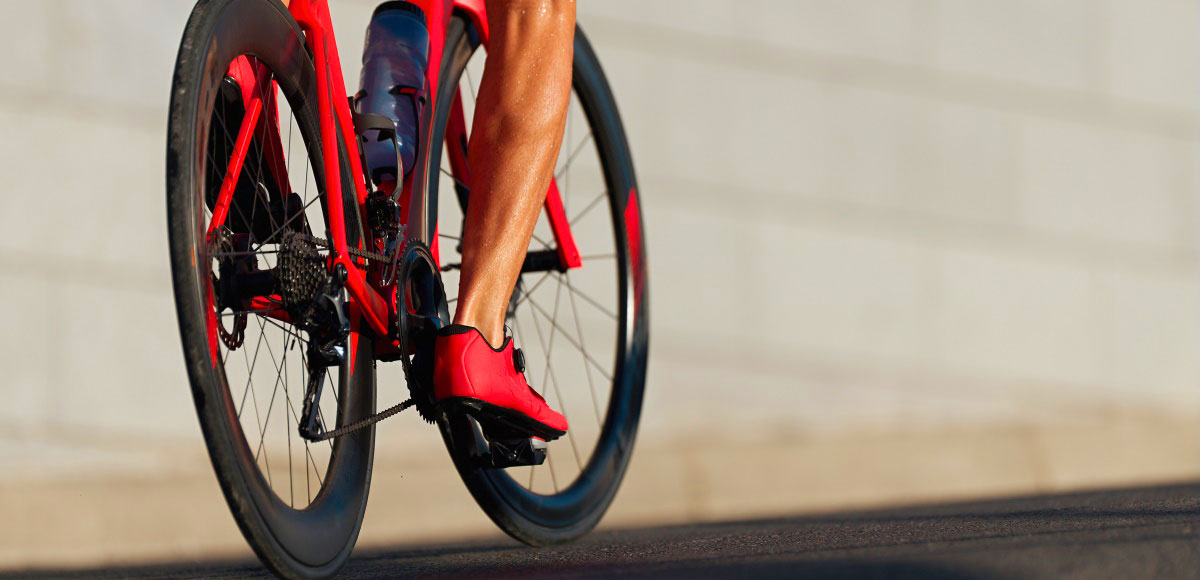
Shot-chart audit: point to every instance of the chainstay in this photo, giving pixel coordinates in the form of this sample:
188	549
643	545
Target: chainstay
366	422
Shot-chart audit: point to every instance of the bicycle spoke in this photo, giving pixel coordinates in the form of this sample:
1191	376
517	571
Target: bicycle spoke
230	140
288	426
520	336
307	449
579	329
599	367
291	219
250	382
544	243
333	385
250	365
236	254
208	214
588	207
574	152
451	176
288	161
282	378
267	94
548	348
313	463
592	301
529	292
294	334
247	312
279	369
254	399
271	407
550	468
470	83
554	378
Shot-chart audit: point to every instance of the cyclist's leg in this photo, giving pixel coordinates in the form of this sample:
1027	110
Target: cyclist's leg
519	118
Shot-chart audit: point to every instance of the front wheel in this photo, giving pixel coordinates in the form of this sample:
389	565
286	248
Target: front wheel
584	331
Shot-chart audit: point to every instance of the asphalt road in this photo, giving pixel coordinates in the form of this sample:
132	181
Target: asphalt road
1126	533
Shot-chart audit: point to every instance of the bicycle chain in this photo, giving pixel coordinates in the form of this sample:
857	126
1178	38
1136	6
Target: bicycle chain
386	413
323	243
366	422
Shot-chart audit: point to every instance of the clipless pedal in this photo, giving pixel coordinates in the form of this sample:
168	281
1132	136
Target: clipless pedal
498	447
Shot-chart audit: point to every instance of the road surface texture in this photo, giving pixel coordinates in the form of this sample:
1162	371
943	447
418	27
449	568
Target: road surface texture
1127	533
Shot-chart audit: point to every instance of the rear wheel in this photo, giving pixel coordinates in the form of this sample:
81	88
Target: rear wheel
584	331
299	504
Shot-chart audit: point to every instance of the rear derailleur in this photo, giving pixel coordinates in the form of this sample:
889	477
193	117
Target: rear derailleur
324	319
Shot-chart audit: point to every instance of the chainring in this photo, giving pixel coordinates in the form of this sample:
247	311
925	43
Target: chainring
420	311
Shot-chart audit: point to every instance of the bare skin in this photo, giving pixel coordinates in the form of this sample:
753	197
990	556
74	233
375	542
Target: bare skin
520	113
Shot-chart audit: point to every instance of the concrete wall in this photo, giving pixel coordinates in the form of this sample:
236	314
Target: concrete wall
900	250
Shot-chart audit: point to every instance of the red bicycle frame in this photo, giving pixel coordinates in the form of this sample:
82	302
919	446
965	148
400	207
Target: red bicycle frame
372	303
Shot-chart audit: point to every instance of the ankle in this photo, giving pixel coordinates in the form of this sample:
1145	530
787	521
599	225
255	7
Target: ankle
492	333
493	336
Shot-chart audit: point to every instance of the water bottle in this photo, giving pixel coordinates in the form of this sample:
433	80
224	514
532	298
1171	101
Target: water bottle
393	85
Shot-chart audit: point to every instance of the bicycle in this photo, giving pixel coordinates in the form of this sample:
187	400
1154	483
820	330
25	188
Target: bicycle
313	295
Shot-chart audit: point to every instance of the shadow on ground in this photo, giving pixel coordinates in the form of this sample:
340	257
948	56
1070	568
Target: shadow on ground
1120	533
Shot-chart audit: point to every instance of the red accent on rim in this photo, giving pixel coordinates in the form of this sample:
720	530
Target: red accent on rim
211	323
352	340
435	246
633	233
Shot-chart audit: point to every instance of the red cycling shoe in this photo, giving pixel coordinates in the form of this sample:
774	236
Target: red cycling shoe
489	384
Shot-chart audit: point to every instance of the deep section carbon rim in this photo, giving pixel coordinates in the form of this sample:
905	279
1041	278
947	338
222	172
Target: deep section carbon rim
576	327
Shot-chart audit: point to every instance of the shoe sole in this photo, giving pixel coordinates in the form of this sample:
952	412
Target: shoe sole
508	421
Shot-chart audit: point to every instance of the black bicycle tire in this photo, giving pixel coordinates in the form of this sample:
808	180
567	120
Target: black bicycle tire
314	542
565	516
